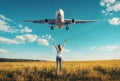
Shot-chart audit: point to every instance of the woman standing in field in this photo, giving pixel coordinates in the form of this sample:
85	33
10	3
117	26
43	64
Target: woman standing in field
59	50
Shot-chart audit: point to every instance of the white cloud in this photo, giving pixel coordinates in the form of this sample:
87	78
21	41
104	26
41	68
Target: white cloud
19	39
3	51
4	18
26	37
106	48
20	25
110	6
43	41
115	7
7	41
47	36
4	27
30	37
114	21
106	2
26	30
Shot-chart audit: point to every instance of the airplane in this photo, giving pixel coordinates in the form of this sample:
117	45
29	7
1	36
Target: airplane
60	21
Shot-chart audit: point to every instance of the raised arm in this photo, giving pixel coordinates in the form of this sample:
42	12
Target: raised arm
64	43
54	43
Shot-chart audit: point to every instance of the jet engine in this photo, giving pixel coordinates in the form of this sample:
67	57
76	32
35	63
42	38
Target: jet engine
73	21
46	20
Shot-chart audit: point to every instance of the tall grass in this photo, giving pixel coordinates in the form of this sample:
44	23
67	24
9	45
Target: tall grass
72	71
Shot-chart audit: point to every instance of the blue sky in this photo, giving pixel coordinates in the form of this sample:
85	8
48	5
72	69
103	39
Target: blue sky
91	41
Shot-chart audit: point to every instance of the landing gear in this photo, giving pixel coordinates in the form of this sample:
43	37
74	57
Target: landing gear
52	27
67	27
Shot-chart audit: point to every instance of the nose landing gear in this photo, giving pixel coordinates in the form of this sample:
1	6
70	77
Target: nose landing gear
52	27
67	27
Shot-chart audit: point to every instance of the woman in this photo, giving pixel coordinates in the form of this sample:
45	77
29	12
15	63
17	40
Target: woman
59	50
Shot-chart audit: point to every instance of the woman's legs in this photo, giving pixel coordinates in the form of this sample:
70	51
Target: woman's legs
57	60
60	63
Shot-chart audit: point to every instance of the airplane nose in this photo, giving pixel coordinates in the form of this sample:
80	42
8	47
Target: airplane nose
59	9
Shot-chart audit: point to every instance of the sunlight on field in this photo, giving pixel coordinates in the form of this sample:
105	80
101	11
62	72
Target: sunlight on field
72	71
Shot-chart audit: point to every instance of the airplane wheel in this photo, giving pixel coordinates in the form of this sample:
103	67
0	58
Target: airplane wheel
67	28
52	28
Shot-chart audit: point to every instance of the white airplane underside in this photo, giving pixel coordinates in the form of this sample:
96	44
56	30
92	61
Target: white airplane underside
60	21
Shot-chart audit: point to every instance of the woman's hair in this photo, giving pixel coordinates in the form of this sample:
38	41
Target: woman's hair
60	47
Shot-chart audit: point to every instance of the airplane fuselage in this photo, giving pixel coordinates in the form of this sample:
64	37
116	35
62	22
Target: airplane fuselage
60	21
60	18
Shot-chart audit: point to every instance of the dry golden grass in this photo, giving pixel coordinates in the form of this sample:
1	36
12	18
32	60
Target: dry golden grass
72	71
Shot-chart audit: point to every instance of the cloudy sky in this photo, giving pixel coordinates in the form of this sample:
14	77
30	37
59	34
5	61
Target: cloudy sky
91	41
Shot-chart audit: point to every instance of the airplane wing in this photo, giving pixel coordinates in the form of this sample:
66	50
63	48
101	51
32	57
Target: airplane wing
72	21
45	21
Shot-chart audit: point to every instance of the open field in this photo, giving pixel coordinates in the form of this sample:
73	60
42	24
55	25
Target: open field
72	71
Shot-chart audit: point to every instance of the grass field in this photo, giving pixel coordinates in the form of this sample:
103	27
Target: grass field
72	71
